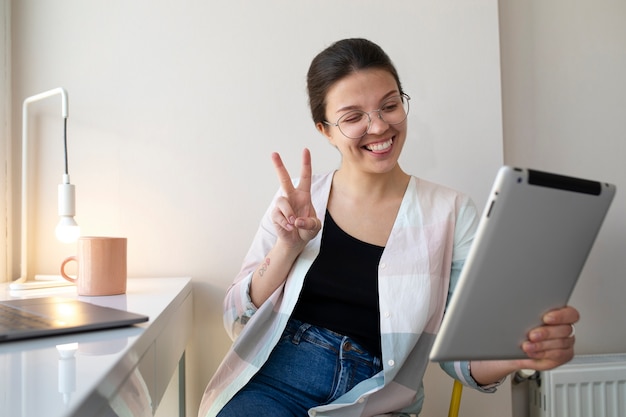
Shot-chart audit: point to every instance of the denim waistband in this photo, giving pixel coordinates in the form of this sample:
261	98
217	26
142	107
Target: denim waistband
298	331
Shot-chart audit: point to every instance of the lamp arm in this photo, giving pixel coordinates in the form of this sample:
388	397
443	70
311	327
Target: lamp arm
24	212
44	95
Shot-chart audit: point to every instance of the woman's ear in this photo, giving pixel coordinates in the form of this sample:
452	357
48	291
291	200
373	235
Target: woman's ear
324	130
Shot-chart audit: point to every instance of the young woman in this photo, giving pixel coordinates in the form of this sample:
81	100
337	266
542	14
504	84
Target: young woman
344	287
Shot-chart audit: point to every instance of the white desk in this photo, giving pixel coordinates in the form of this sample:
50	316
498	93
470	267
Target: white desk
114	372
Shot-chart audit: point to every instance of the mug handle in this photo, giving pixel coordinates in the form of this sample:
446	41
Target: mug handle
63	274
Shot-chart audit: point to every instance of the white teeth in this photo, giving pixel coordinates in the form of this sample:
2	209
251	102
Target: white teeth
379	146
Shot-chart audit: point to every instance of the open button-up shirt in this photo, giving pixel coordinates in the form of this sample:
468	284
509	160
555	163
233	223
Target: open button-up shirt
418	270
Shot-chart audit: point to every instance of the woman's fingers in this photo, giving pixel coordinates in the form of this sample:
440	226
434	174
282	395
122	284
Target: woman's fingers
552	344
285	179
305	172
283	175
566	315
283	214
308	223
534	346
294	214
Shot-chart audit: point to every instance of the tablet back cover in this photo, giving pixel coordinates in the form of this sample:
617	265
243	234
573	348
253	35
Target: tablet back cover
533	239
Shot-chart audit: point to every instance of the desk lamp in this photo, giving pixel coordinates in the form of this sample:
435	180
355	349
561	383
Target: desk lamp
67	230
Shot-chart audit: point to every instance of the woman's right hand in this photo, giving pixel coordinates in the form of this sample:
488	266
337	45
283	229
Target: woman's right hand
294	215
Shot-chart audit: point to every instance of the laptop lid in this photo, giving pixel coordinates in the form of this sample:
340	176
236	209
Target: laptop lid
533	239
46	316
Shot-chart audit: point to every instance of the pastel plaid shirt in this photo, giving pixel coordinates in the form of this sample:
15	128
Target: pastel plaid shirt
418	269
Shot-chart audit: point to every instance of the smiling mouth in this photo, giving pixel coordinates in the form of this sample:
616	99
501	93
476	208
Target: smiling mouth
379	147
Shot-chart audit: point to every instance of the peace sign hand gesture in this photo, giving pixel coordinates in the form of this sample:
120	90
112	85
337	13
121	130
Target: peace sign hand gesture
294	215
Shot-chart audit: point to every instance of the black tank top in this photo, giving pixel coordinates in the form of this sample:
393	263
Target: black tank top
340	290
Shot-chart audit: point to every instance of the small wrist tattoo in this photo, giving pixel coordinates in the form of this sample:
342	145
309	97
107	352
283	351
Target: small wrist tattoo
264	266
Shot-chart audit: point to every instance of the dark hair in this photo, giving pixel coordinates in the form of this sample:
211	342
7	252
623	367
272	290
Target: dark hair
343	58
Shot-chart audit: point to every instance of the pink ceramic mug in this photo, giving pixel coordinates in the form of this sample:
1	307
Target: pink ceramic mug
101	266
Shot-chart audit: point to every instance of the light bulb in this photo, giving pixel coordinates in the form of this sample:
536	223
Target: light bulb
67	230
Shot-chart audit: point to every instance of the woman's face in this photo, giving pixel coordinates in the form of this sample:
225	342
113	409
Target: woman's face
366	90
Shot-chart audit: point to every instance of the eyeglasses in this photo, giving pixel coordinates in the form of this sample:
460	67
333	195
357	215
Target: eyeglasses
356	123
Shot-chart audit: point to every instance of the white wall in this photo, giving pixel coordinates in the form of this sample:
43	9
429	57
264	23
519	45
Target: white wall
565	110
564	105
176	106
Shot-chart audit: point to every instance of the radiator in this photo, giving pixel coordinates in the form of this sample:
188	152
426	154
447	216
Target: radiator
587	386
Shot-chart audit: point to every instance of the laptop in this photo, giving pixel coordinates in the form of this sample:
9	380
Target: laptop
533	239
48	316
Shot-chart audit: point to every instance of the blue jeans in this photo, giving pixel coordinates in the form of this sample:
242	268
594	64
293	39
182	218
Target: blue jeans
309	366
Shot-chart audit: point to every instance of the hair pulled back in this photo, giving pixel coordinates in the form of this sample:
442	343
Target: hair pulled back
339	60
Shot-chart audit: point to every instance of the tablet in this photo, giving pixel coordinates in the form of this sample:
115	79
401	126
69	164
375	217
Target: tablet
533	239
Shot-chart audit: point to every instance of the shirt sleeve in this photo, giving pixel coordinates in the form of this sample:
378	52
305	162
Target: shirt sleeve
238	306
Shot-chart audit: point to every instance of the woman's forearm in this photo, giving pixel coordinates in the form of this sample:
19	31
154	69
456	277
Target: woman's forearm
272	272
489	372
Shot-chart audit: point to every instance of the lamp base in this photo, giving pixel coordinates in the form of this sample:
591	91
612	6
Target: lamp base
40	281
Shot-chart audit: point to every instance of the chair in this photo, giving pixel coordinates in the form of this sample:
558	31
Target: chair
455	399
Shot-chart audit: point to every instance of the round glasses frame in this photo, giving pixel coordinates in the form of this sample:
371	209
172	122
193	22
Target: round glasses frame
405	101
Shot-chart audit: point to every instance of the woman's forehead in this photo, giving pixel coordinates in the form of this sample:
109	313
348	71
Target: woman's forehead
361	88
